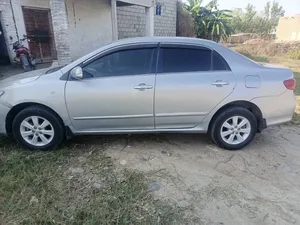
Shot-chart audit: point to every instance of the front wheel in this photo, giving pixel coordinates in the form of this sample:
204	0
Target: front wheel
234	128
37	128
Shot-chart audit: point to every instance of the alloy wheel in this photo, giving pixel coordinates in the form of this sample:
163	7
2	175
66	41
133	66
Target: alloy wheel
235	130
37	131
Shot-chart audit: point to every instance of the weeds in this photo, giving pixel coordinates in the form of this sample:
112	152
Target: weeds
297	77
253	57
294	53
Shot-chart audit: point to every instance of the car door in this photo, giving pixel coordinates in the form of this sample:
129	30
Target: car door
116	92
190	82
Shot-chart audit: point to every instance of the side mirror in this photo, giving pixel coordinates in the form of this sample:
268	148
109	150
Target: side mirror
77	73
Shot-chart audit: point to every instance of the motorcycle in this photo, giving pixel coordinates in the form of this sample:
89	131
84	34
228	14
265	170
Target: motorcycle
23	56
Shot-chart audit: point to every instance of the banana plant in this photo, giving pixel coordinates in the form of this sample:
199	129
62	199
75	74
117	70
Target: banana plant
210	23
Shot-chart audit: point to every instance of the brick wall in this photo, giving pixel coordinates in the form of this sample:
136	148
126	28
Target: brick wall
9	29
165	25
132	20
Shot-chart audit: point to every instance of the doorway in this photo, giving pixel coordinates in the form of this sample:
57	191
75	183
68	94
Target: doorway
4	57
39	31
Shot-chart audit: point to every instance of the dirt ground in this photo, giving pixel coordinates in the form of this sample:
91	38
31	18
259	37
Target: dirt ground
258	185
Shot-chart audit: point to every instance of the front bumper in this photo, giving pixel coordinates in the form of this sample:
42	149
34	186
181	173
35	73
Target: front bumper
3	113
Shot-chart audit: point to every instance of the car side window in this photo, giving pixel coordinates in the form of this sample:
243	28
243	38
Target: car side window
121	63
219	62
174	59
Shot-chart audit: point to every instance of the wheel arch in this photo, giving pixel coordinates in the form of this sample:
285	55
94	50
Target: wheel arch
244	104
18	108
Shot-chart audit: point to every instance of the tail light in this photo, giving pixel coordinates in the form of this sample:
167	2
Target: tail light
290	84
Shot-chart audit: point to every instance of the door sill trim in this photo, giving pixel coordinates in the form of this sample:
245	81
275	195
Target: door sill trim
185	130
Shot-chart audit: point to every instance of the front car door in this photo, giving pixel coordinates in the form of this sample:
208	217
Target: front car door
190	82
116	92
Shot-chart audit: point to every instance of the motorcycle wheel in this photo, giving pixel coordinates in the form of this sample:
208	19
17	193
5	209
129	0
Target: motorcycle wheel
25	63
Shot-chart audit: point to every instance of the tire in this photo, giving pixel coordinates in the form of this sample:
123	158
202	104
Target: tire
25	63
235	118
31	129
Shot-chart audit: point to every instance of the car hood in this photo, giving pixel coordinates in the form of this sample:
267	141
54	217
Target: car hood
22	78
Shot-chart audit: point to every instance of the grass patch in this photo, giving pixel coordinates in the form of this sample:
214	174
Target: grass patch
297	77
296	118
75	185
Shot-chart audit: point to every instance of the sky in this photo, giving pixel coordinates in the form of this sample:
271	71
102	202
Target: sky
292	7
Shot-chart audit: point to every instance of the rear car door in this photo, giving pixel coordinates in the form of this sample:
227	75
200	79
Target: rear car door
190	82
116	92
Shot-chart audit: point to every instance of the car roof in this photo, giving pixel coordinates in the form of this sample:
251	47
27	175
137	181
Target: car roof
165	40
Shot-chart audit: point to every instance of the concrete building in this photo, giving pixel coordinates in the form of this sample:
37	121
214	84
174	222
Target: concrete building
67	29
288	29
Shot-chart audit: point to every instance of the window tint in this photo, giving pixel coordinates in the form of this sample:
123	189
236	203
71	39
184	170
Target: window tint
219	62
126	62
185	60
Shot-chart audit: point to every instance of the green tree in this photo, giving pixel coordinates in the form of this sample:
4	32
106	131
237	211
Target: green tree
250	20
272	12
210	23
218	25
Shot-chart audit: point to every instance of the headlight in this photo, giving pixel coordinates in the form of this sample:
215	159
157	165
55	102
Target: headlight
2	93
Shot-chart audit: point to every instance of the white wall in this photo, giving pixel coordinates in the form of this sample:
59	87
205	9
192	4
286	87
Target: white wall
90	25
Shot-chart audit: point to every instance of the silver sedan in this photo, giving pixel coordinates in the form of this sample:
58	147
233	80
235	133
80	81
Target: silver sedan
145	85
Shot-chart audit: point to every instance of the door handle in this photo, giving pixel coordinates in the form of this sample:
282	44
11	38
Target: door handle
220	83
143	87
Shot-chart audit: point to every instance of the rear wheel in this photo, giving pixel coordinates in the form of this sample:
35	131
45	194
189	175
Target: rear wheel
37	128
234	128
25	63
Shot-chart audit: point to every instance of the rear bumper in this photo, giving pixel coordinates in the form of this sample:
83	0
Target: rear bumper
3	113
277	109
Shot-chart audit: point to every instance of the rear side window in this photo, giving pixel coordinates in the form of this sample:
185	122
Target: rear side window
219	62
174	60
